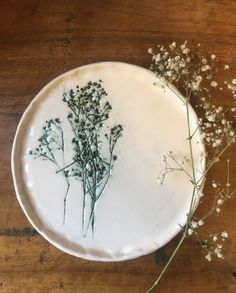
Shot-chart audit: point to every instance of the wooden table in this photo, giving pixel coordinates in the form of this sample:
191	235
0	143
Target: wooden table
39	40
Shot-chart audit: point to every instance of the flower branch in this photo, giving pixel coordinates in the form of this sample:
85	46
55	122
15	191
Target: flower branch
194	76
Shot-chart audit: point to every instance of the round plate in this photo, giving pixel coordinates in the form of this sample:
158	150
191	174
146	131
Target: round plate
135	215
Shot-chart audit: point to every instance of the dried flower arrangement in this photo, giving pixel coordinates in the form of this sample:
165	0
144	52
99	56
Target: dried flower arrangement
88	112
194	76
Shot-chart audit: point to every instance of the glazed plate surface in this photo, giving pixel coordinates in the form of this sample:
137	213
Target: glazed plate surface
135	214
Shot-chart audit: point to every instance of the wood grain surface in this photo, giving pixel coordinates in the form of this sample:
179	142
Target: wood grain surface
39	40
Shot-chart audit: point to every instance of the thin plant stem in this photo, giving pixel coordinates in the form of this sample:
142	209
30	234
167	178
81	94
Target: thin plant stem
168	263
218	156
65	202
191	208
172	65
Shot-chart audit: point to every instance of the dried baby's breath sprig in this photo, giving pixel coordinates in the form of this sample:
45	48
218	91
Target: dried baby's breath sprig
51	147
212	245
94	148
89	111
194	76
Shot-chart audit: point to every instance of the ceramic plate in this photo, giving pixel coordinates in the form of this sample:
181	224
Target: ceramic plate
115	210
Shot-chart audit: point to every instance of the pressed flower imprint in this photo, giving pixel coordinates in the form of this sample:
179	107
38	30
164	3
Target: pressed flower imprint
92	139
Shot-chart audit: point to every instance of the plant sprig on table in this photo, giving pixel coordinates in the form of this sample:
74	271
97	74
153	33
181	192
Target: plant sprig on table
194	76
93	146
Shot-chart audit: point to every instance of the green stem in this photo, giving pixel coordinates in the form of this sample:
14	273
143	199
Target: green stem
84	199
65	202
190	142
191	210
168	263
91	218
218	156
184	235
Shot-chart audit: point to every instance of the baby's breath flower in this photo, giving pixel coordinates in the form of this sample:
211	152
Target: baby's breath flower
215	238
209	257
157	57
190	231
214	185
186	51
200	222
216	143
223	121
194	224
214	84
219	201
211	117
197	80
218	252
224	234
231	133
205	67
172	45
183	46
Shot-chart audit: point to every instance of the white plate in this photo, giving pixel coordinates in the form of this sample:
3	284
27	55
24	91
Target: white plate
135	215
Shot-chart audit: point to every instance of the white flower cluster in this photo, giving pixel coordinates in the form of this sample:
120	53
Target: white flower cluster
180	62
194	224
214	245
194	76
215	127
174	63
170	63
173	164
222	194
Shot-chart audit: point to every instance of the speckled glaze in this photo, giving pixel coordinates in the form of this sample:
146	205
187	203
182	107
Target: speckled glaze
135	215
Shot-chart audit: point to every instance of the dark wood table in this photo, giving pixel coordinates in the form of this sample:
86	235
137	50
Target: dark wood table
39	40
